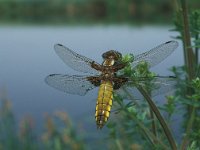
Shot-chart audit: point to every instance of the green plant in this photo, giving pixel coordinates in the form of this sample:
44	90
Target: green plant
136	120
187	23
59	134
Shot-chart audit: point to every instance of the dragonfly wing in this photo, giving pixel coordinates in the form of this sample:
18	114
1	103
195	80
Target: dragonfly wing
161	85
78	85
156	55
74	60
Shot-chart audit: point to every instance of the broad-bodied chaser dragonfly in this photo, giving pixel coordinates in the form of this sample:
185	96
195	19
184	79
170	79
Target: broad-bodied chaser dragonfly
103	75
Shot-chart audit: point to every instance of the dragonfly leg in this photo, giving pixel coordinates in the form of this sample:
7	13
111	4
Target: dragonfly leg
96	66
118	82
118	66
95	80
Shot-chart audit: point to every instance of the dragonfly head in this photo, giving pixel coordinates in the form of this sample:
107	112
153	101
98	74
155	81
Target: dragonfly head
112	54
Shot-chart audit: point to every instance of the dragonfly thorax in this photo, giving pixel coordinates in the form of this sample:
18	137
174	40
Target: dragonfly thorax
108	62
110	57
112	54
107	75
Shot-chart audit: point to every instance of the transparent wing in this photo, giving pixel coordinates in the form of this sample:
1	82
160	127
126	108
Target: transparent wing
160	85
78	85
163	85
74	60
157	54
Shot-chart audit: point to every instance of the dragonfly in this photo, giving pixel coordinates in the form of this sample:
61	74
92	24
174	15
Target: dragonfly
105	75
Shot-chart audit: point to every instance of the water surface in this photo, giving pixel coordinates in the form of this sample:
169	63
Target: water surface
27	57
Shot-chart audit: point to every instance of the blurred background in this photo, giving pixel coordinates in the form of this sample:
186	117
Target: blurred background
30	28
88	11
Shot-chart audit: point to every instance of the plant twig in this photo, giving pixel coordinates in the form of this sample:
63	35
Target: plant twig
187	41
153	139
118	144
197	51
153	123
159	117
188	129
190	65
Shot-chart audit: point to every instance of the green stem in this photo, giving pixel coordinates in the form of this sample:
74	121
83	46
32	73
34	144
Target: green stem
187	41
153	139
159	117
188	129
197	51
119	146
153	123
151	113
175	5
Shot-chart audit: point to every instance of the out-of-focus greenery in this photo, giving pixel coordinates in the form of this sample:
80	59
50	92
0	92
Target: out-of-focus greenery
187	23
88	11
58	135
136	125
133	127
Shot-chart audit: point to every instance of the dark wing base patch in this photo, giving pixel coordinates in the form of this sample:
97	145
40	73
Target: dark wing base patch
72	84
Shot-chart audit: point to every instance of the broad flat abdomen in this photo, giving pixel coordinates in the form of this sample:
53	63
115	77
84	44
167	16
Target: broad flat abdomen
104	103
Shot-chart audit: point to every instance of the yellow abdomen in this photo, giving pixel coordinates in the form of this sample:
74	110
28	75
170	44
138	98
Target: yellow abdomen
104	103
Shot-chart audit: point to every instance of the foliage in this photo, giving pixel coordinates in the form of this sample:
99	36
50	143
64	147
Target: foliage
136	121
139	124
193	146
84	11
188	25
59	135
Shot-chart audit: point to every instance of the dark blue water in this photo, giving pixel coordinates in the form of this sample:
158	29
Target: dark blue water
27	57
